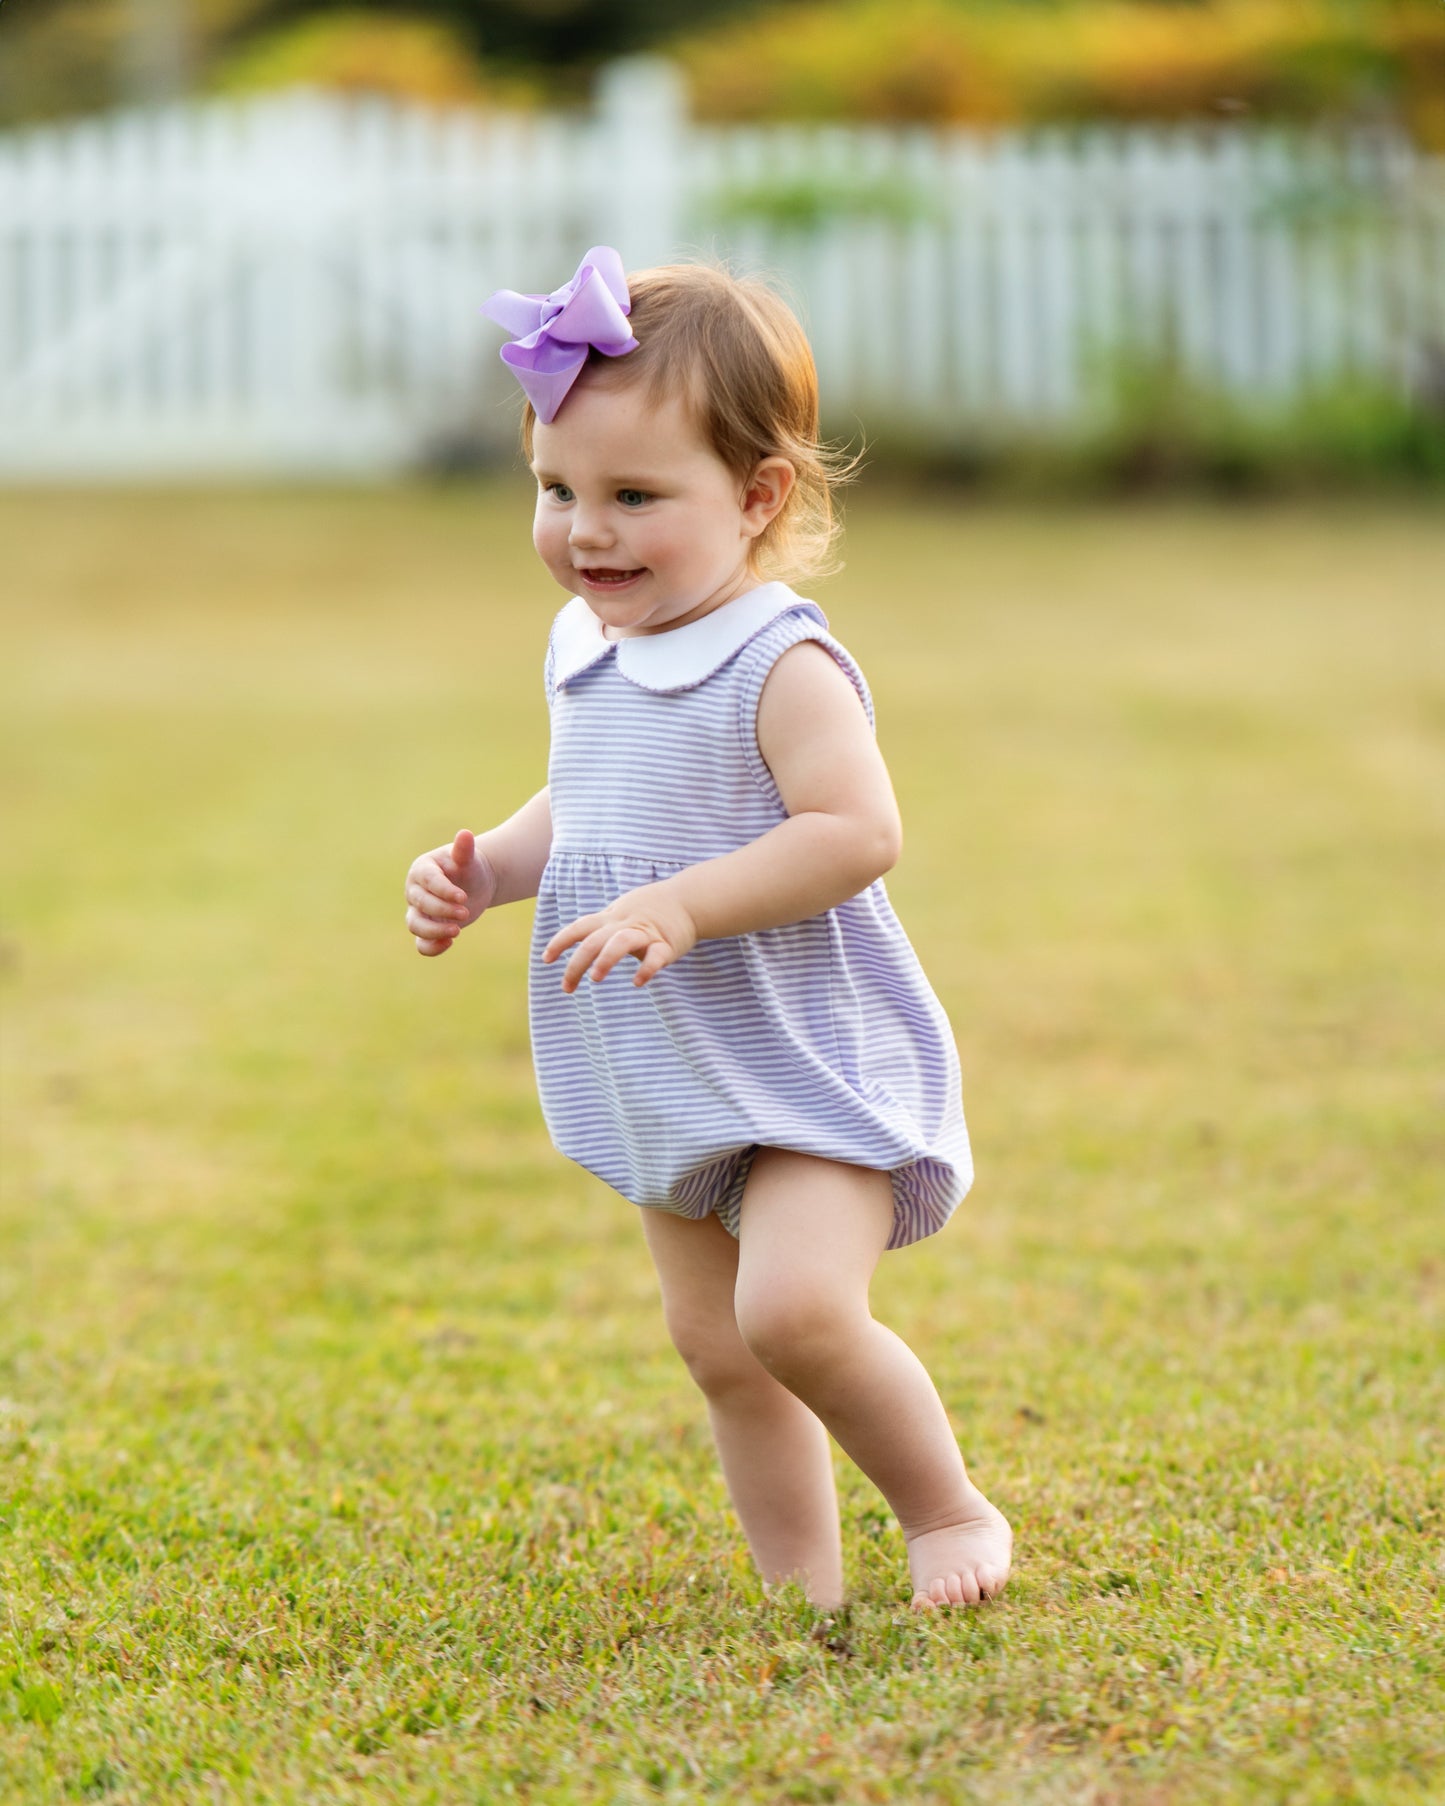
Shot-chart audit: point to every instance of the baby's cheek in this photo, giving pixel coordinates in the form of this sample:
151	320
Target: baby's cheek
552	550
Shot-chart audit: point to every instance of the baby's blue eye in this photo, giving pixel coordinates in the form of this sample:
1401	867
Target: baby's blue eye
560	492
632	498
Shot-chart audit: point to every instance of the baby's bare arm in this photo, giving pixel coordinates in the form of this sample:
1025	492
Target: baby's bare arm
518	850
842	832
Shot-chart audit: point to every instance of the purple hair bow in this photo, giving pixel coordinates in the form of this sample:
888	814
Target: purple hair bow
552	334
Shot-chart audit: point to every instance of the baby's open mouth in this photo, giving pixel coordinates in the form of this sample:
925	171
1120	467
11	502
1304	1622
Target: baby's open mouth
601	579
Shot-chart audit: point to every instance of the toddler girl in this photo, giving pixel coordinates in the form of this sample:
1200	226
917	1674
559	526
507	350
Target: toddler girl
772	1077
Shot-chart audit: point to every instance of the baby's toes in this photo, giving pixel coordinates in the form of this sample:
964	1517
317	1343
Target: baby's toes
947	1589
992	1581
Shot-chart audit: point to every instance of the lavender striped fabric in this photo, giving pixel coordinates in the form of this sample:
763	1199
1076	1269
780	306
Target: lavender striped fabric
822	1036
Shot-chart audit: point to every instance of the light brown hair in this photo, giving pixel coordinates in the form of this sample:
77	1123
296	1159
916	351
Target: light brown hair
735	352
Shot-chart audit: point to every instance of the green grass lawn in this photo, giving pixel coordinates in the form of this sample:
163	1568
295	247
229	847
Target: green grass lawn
342	1452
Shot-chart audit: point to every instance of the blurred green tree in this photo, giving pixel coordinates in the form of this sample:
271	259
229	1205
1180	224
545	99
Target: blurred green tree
1004	62
74	56
555	34
985	62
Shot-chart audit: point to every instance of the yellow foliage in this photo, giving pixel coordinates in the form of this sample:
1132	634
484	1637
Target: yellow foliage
930	60
358	53
1418	39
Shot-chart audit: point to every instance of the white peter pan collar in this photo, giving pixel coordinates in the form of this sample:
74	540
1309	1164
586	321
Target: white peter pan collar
680	658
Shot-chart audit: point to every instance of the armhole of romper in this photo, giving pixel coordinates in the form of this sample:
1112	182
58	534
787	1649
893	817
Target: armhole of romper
549	666
771	645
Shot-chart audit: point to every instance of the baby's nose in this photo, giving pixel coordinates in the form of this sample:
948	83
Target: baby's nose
588	528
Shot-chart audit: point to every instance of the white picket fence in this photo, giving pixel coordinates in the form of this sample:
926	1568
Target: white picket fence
293	284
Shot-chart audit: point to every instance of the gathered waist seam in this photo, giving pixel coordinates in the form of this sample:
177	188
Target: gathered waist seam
632	853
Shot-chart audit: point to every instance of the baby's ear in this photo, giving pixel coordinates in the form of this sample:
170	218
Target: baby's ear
765	492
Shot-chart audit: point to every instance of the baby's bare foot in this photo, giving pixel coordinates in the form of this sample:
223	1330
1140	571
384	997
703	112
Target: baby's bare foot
962	1562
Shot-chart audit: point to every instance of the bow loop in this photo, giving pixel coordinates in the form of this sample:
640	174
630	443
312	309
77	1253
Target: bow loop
552	334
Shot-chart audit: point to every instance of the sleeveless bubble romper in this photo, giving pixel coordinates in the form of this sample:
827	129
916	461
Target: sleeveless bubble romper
822	1036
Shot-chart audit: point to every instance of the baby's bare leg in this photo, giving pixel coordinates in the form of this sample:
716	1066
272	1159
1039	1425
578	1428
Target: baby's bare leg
812	1233
775	1454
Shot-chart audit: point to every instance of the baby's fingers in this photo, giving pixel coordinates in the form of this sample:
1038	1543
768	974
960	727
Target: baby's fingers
437	872
658	955
583	958
438	908
425	928
568	937
617	946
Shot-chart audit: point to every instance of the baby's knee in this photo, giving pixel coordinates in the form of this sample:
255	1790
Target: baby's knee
713	1353
792	1328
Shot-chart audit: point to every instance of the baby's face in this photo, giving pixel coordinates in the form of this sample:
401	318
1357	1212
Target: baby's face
635	511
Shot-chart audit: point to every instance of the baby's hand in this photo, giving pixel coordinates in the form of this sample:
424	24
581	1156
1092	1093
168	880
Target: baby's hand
445	890
648	923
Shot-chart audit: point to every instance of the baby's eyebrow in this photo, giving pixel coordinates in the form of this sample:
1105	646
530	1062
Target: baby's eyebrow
543	475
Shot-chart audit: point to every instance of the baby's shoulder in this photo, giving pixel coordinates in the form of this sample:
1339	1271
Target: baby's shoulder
794	677
794	624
